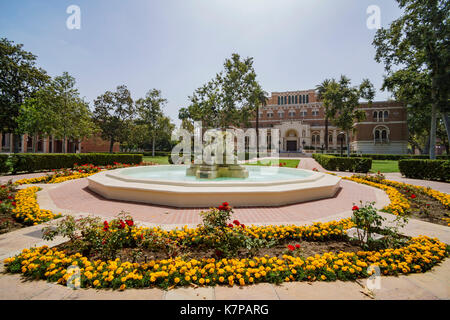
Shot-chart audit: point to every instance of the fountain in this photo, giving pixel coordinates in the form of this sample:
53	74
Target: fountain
211	180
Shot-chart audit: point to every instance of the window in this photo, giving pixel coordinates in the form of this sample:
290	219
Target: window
281	114
381	134
279	100
303	113
330	138
386	116
270	114
304	99
289	100
315	112
296	99
375	116
285	100
291	113
307	98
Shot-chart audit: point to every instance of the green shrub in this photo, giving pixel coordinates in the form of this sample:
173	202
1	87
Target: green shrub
4	164
425	169
30	162
397	157
352	164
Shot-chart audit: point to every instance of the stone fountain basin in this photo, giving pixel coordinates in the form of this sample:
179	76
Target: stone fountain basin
119	185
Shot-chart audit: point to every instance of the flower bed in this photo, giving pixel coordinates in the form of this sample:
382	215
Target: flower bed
102	239
27	209
407	199
78	172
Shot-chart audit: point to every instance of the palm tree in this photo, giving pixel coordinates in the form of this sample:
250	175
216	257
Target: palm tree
321	90
261	97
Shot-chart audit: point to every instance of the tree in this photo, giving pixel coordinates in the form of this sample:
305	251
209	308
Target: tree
321	89
150	112
19	78
71	116
57	110
342	101
111	111
228	99
261	99
34	117
418	42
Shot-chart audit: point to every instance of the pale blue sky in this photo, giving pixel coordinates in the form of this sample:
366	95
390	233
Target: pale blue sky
178	45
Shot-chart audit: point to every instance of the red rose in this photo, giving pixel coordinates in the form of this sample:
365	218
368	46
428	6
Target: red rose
236	222
129	222
355	208
13	203
225	204
243	226
297	246
122	224
230	225
413	196
10	197
105	226
221	208
291	247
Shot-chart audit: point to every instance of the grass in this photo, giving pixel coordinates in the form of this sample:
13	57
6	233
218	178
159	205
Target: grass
384	166
290	163
159	160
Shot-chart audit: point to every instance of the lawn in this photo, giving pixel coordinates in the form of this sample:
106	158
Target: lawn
159	160
290	163
384	166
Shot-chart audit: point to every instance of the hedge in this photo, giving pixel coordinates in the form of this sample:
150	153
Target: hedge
374	156
425	169
30	162
356	164
4	165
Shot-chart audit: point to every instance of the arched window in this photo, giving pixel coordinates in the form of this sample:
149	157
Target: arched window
291	113
330	138
381	134
386	115
313	139
303	133
375	116
281	114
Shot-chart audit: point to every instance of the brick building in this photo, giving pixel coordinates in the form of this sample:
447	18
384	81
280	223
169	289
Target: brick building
300	118
53	145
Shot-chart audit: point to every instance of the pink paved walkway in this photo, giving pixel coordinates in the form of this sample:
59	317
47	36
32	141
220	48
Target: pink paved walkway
75	196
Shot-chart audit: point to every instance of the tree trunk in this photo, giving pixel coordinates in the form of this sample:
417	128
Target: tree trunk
257	132
426	149
326	133
434	107
348	143
153	145
33	143
111	145
446	119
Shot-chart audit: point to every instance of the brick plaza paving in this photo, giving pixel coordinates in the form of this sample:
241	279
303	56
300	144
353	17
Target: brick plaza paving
73	197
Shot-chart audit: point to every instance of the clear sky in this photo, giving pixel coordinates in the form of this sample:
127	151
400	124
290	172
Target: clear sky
178	45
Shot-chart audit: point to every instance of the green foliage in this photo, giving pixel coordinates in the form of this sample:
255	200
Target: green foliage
426	169
343	163
25	78
29	162
415	52
230	98
341	102
4	163
112	111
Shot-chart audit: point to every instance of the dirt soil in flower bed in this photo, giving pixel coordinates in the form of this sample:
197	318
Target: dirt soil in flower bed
8	223
426	208
307	249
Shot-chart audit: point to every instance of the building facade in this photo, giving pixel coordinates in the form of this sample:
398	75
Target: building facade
299	116
53	145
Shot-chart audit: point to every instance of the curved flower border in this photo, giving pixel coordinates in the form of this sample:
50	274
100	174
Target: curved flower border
418	255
